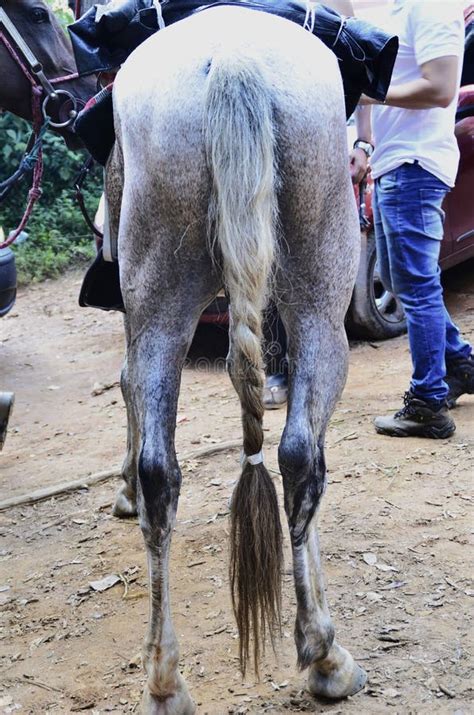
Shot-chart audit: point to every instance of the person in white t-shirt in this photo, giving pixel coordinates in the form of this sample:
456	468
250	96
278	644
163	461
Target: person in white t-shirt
414	166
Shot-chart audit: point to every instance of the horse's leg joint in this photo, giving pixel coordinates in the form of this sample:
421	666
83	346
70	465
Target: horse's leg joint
295	454
314	642
303	468
160	481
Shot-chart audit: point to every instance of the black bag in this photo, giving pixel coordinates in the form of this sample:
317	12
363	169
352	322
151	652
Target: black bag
103	38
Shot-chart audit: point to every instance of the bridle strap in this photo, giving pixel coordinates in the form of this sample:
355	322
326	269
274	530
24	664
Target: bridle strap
33	70
35	67
33	158
33	195
77	9
13	53
79	196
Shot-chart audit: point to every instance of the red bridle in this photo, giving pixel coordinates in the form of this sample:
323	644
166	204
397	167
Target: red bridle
77	9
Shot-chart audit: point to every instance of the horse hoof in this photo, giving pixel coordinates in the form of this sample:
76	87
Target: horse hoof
340	680
178	704
125	503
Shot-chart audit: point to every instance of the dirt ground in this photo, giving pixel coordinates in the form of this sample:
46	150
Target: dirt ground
395	527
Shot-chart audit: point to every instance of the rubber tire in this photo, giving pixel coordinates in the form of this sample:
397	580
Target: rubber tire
364	319
7	280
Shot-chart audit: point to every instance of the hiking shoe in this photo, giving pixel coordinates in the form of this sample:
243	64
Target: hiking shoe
275	392
460	379
6	405
417	418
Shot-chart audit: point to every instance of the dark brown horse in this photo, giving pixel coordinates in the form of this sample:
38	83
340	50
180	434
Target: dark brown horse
39	28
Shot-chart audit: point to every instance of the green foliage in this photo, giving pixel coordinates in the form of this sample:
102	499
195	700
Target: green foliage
58	235
62	12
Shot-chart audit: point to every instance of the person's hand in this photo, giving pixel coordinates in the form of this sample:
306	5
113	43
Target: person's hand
365	100
358	165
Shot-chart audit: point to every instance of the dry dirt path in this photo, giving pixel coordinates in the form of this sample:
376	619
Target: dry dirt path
395	528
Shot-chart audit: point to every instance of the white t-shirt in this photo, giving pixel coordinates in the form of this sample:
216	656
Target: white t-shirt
427	30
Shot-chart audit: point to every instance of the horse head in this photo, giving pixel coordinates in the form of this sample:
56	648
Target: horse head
39	28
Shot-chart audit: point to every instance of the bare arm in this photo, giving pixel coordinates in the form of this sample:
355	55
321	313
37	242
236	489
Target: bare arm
436	87
363	123
358	162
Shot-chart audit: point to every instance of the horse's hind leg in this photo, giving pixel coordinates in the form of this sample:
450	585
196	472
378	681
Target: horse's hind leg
155	360
166	280
125	501
313	309
317	370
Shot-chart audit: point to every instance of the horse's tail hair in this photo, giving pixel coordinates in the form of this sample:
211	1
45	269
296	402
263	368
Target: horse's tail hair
240	145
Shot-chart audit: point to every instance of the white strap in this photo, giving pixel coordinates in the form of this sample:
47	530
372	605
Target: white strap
159	13
252	458
310	17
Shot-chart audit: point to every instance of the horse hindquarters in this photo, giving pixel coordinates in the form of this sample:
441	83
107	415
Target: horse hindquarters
167	277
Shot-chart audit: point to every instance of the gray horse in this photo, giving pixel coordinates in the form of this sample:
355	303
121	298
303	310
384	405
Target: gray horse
230	169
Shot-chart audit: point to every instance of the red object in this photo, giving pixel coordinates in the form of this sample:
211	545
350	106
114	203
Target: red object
77	9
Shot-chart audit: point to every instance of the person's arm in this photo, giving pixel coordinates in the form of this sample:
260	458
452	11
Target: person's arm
358	159
436	87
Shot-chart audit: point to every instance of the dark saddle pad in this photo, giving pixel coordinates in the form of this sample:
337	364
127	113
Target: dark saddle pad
104	37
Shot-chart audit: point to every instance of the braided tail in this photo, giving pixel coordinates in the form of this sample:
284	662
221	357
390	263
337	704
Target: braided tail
240	147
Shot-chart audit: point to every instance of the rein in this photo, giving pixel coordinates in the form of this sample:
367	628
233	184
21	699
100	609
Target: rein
33	159
77	9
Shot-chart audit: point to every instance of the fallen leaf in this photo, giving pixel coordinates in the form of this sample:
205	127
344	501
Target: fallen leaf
104	583
390	693
99	388
369	558
385	567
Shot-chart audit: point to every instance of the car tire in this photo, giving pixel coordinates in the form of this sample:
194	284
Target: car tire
374	313
7	280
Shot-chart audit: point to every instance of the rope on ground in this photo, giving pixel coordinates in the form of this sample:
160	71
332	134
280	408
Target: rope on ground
92	479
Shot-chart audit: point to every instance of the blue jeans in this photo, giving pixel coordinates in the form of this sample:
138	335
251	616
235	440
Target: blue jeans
408	231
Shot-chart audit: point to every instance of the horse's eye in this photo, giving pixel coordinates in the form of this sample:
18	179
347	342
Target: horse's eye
39	14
